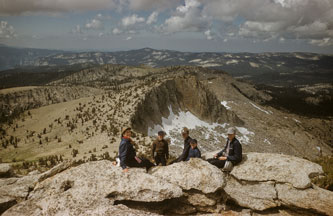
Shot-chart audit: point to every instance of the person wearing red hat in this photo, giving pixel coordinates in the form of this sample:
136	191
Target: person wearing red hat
127	154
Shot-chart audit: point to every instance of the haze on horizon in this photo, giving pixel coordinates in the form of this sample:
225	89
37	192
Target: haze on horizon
190	25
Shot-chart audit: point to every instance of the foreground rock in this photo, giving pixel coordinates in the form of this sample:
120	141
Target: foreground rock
194	174
99	188
5	170
94	185
14	190
264	181
258	196
277	167
316	199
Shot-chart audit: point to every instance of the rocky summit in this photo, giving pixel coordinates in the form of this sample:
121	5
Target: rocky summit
263	184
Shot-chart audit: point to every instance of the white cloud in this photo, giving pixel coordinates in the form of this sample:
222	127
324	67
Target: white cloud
94	24
290	19
116	31
128	38
77	30
152	18
6	30
132	20
14	7
322	42
208	34
187	18
103	17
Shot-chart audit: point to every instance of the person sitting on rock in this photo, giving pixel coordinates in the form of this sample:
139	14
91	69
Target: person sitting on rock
160	149
194	152
232	151
187	139
127	154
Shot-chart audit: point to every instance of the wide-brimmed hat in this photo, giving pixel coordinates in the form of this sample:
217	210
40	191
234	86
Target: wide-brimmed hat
231	130
124	130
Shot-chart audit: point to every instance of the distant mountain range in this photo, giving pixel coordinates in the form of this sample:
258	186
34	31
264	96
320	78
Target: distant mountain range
268	68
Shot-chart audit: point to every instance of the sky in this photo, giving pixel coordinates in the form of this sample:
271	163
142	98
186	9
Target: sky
183	25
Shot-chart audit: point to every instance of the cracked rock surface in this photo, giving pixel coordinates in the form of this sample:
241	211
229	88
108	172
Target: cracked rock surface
100	188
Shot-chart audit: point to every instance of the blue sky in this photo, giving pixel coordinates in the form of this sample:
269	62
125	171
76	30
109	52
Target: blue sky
190	25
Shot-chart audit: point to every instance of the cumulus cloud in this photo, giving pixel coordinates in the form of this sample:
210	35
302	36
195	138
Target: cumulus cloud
322	42
152	18
95	24
132	20
208	34
289	19
77	30
6	30
188	17
116	31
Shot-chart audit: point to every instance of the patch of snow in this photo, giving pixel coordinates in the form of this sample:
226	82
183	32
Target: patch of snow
156	53
210	65
210	82
195	60
262	110
224	103
245	135
233	61
252	64
313	58
174	123
297	120
267	141
213	133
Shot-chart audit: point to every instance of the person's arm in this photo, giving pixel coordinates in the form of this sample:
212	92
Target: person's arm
219	154
166	149
123	148
184	155
198	154
237	157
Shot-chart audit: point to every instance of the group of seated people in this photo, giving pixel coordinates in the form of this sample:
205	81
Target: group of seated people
230	155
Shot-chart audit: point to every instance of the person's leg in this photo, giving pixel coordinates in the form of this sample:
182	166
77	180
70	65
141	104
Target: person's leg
157	160
211	159
216	162
163	160
146	163
133	163
175	161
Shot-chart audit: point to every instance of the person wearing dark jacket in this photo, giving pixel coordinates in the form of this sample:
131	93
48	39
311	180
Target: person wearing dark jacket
127	154
187	139
160	149
232	151
194	152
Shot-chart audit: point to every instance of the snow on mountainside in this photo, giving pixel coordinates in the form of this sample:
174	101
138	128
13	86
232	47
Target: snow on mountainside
259	66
